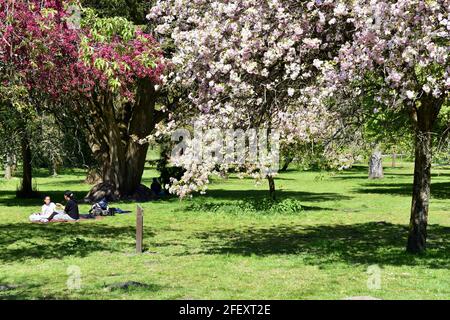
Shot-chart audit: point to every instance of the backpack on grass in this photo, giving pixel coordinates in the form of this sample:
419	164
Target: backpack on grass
101	208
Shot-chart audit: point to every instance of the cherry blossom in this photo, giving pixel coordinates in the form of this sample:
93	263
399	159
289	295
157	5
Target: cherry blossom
249	64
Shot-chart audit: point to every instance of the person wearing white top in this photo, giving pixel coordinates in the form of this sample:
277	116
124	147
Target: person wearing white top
47	209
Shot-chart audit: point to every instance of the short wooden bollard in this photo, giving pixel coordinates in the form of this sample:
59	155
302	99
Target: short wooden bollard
139	228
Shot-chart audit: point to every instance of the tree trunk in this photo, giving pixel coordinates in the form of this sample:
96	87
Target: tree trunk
376	165
26	189
421	193
286	163
271	187
112	140
423	118
13	164
93	177
8	167
394	158
54	167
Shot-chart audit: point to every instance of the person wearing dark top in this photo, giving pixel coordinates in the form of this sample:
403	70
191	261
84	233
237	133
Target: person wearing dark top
156	187
71	208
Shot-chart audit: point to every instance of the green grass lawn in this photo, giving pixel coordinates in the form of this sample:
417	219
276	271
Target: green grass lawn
233	244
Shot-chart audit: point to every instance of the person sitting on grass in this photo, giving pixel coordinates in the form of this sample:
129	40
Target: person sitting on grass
70	213
46	211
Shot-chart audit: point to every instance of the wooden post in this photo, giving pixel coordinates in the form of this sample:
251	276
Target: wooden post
139	228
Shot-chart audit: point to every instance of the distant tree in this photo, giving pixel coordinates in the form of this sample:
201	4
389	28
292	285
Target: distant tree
17	125
31	35
384	130
9	139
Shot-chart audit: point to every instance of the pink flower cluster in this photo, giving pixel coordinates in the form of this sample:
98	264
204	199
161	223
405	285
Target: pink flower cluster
40	51
406	43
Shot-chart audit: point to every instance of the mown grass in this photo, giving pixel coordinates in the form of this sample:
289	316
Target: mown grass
316	242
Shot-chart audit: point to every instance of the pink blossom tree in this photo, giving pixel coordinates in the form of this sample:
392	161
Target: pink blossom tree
103	73
32	39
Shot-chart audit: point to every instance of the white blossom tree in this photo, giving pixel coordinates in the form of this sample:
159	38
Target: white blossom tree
250	64
399	52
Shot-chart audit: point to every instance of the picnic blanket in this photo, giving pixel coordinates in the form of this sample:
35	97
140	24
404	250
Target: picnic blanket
98	210
82	218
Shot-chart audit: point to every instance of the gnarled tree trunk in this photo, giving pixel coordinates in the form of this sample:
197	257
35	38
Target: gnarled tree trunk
376	165
113	134
424	117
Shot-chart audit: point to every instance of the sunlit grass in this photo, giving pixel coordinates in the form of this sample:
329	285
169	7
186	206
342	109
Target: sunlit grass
316	242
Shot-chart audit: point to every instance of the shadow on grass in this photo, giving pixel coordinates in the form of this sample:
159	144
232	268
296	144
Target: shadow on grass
387	175
45	173
8	198
365	243
258	202
256	206
357	169
65	183
439	190
21	241
280	177
255	195
27	290
356	176
344	176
